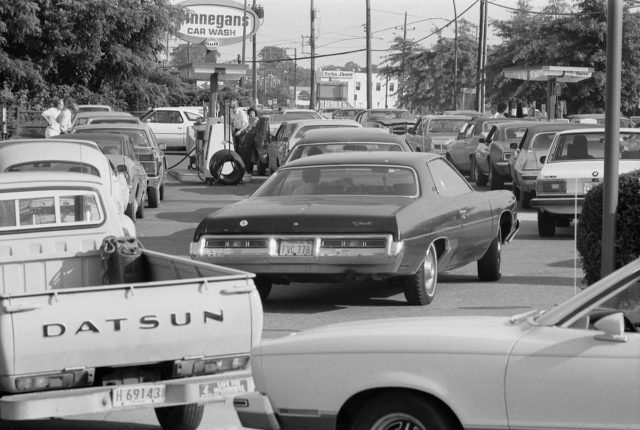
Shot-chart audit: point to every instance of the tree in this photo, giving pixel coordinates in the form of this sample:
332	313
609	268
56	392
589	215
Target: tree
186	53
575	38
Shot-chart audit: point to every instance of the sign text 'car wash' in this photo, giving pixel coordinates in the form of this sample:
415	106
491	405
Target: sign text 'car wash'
225	21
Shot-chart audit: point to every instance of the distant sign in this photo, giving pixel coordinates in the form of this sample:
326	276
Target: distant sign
337	74
222	20
211	44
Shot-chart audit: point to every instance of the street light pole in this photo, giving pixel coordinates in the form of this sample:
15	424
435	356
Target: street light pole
455	58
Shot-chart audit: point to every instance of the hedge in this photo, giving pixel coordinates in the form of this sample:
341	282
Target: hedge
589	234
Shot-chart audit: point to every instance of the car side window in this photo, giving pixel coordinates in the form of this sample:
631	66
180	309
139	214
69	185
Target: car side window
447	179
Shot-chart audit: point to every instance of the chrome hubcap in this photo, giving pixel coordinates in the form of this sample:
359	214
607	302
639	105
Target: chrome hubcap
429	267
398	421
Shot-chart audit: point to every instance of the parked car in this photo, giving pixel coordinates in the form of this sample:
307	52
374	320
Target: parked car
150	154
397	121
335	140
99	117
433	132
492	153
574	165
277	118
401	216
542	370
291	131
460	151
327	112
597	118
68	155
94	108
120	151
524	164
346	113
173	127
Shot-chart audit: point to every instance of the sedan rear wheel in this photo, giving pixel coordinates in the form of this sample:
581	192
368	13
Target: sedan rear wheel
479	177
153	197
546	224
263	285
420	288
401	411
489	264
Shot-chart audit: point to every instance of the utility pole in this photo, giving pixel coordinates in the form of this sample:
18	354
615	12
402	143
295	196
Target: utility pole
455	56
369	83
254	72
482	40
295	77
312	43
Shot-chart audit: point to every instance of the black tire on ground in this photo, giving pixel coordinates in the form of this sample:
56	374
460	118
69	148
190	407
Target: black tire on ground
263	285
162	192
525	199
140	211
496	182
395	410
420	288
130	213
489	264
479	177
546	224
217	163
153	197
183	417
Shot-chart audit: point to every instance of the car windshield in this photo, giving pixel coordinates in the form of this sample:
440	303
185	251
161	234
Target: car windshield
341	180
591	146
515	132
392	114
446	125
542	141
56	166
303	150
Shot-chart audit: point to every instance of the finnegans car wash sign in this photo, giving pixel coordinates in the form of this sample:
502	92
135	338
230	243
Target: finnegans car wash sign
222	20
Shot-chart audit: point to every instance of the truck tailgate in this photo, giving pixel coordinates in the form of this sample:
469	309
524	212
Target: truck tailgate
125	325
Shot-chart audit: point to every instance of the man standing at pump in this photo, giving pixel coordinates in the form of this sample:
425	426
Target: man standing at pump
239	121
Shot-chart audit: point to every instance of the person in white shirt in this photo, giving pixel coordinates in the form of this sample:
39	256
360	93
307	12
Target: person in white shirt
68	116
52	116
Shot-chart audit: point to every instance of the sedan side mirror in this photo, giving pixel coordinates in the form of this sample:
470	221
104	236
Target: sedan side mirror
613	327
543	159
513	145
162	146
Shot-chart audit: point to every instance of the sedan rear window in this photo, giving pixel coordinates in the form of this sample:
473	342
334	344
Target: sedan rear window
57	166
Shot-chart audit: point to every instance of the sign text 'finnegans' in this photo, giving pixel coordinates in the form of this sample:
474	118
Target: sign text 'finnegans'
210	24
145	322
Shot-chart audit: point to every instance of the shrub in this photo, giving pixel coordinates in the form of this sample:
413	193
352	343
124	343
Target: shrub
589	235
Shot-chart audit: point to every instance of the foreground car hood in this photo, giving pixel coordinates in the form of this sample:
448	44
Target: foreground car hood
486	335
352	214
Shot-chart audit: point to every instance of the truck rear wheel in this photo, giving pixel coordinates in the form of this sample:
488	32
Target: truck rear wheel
183	417
263	285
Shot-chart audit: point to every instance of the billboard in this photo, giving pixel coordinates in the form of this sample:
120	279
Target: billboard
333	91
219	22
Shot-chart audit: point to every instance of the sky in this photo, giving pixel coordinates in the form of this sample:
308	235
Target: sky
340	26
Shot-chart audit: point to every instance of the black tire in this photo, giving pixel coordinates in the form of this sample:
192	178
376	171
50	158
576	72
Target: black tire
130	213
153	197
140	211
183	417
489	264
263	285
546	224
525	199
162	192
218	161
420	288
401	411
479	177
496	182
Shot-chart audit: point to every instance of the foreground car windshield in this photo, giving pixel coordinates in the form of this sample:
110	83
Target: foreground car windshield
588	146
301	151
341	180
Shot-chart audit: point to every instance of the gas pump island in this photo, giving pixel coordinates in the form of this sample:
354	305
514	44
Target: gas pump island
213	24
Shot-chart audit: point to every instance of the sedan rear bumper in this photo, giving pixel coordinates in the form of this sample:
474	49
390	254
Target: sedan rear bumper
559	205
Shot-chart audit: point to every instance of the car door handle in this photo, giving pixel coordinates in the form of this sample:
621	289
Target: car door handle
462	213
20	307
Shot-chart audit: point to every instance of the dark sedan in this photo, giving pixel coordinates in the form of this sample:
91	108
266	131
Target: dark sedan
402	216
397	121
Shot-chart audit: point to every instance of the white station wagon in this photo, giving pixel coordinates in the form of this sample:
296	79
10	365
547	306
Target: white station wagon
574	366
574	165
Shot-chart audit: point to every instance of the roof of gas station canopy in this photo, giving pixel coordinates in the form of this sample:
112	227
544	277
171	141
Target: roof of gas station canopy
545	73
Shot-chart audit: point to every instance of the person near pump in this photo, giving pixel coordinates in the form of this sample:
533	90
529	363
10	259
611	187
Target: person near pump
252	147
239	122
52	116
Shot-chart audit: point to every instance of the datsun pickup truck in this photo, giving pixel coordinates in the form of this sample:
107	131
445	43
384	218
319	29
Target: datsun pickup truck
87	329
